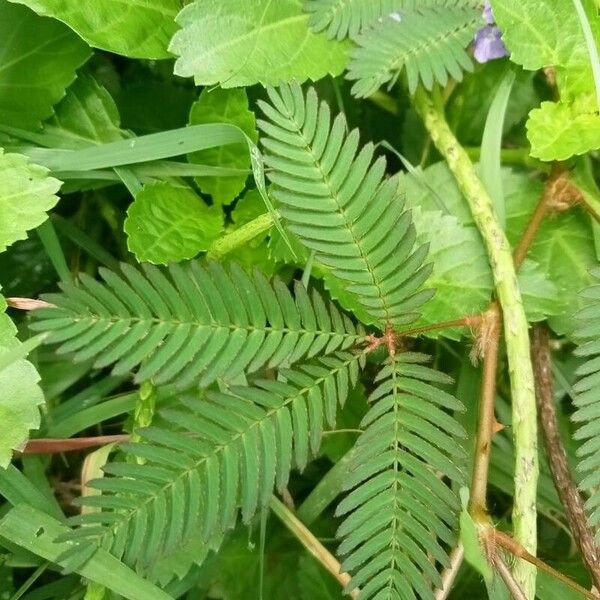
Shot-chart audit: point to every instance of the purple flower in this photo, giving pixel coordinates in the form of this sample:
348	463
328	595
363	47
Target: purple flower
488	40
488	15
489	44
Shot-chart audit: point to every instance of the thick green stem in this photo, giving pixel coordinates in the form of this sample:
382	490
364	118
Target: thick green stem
240	236
524	423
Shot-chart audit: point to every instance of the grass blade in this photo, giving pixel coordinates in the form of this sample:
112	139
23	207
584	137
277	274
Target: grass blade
490	162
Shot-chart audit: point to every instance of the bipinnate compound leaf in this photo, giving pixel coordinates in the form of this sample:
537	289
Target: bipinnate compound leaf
26	194
587	397
39	60
36	532
399	517
169	223
334	196
346	18
238	43
226	451
21	395
429	43
191	323
224	106
140	29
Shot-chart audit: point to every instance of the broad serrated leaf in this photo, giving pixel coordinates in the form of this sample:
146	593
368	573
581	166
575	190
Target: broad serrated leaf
39	60
86	115
540	33
238	43
26	193
462	276
561	255
169	223
557	131
140	29
224	106
547	33
20	394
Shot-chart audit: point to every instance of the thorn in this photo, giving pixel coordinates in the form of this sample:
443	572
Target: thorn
497	427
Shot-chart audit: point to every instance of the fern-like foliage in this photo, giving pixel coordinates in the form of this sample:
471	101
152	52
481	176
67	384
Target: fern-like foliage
213	455
587	400
191	323
338	204
347	18
400	512
428	42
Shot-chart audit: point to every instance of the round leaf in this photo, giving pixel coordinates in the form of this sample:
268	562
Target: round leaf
169	223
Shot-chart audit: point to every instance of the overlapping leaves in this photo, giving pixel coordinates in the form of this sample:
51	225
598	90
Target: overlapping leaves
335	200
429	43
21	395
236	43
191	323
220	453
399	515
587	398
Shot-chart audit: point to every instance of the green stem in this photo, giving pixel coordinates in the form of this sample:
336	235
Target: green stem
310	542
524	422
234	240
326	491
511	156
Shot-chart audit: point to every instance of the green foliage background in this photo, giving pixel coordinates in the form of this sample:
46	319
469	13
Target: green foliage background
225	207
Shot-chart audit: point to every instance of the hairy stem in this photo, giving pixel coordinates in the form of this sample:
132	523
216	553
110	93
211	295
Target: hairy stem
499	538
467	321
310	542
557	457
487	420
524	421
238	238
511	583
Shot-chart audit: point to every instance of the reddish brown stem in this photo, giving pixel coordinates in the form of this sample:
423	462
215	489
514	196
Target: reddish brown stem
468	321
522	248
557	457
58	446
499	538
559	195
511	583
486	427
